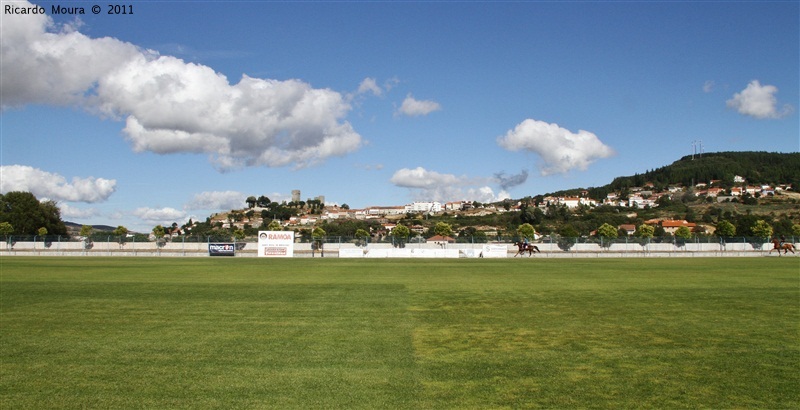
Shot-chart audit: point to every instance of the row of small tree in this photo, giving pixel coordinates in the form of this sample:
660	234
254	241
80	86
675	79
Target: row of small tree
400	233
761	229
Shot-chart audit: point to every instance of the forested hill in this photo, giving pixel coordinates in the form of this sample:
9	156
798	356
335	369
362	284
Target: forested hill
755	167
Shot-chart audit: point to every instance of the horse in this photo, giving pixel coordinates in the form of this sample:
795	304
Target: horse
786	247
523	247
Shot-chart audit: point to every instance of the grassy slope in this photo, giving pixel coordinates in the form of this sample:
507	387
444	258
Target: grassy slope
238	333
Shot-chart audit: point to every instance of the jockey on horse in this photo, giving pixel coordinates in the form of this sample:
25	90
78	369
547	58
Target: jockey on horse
781	246
524	246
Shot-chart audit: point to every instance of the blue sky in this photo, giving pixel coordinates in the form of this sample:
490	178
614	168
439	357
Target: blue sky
183	109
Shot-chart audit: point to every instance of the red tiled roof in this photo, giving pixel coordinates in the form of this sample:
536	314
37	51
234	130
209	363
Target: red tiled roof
439	238
677	224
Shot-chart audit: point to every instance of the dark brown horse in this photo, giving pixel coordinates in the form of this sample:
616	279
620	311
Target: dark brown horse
522	247
786	247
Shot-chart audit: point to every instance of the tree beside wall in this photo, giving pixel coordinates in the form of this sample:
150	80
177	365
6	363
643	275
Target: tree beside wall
27	215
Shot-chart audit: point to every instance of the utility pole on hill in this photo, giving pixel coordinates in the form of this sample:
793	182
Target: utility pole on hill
695	144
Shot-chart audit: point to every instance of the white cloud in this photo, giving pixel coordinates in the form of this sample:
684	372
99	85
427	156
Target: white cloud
560	149
422	178
71	212
44	184
412	107
160	215
503	195
171	106
217	200
369	85
758	101
58	67
428	185
485	194
708	86
369	167
391	83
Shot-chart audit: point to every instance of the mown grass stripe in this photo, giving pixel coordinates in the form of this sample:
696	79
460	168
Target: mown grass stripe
254	333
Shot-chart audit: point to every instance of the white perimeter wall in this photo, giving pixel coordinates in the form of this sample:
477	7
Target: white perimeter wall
347	250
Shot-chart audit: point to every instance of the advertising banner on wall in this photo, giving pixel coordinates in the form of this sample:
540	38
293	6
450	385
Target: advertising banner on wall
221	249
276	244
494	251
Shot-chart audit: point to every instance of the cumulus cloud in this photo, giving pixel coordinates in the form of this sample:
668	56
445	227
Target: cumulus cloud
422	178
58	67
217	200
428	185
485	194
413	108
171	106
758	101
160	215
369	85
560	149
45	184
71	212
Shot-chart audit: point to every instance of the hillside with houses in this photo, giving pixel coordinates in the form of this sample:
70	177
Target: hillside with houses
699	207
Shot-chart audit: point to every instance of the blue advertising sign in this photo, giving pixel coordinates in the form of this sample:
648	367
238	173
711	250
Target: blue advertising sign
221	249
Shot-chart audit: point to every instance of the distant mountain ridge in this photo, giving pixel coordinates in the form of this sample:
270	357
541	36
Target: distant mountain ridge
77	227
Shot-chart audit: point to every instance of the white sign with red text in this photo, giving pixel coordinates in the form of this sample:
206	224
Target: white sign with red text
276	244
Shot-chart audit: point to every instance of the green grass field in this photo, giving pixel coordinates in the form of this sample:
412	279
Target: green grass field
378	334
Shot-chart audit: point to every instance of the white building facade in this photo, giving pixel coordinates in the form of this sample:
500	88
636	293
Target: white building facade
424	207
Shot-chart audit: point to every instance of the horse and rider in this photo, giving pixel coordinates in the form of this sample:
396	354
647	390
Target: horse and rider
781	245
523	246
